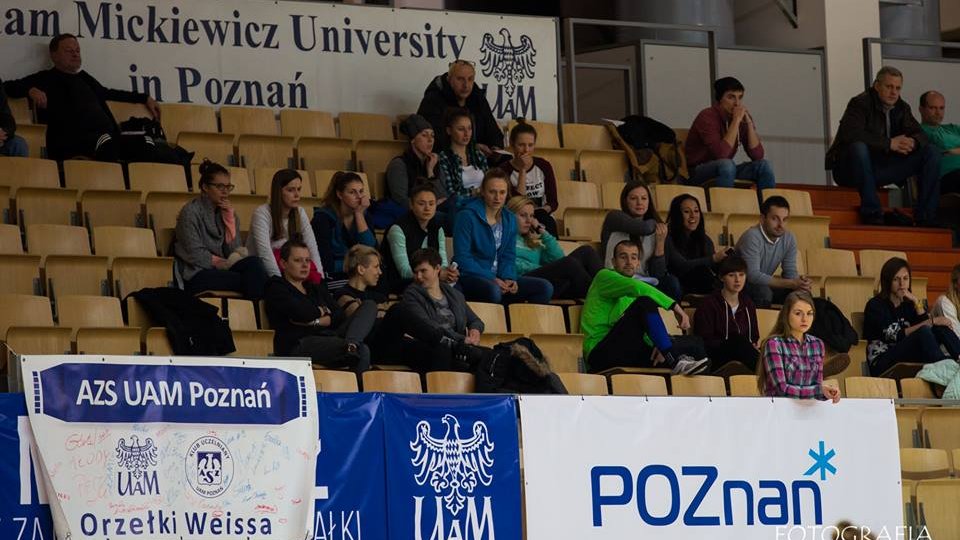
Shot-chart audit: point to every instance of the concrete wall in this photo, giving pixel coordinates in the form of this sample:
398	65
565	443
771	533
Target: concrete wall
760	23
847	23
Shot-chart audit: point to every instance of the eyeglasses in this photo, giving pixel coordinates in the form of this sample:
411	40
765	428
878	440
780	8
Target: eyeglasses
223	187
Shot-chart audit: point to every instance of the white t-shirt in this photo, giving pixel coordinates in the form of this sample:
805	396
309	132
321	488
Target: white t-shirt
472	177
536	189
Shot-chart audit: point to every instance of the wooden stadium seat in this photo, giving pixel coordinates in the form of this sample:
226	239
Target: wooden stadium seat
329	380
670	321
123	111
568	246
850	294
10	241
610	195
941	428
46	240
24	310
324	153
54	206
76	274
239	177
162	211
17	172
373	158
401	382
766	319
120	208
450	382
924	463
731	201
156	342
799	201
365	126
937	503
304	123
124	242
20	108
21	274
217	147
536	319
153	177
493	316
563	161
831	262
547	134
123	341
248	121
697	385
810	231
577	194
916	388
241	314
135	273
713	227
919	286
78	311
636	384
38	339
584	384
586	137
663	195
872	260
743	386
584	222
602	166
908	427
737	224
492	339
573	318
563	351
265	151
83	174
179	117
263	179
871	387
36	137
244	206
253	343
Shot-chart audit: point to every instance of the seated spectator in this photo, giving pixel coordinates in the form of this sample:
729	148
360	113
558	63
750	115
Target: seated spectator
271	224
207	247
461	163
766	247
879	142
456	90
716	134
792	364
532	177
417	229
417	163
342	222
437	324
897	327
484	241
362	265
539	255
691	255
946	137
727	320
946	304
637	220
10	144
74	106
308	322
622	325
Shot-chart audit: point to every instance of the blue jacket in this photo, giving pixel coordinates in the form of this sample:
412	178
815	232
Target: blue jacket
333	239
473	245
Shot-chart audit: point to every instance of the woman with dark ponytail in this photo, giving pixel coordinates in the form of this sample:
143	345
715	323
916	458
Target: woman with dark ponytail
532	177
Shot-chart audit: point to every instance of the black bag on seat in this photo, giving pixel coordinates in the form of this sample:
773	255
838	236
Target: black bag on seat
516	367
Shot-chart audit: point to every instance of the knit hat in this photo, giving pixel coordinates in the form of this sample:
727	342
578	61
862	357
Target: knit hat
413	125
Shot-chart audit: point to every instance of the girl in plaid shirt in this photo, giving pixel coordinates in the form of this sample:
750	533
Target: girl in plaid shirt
792	364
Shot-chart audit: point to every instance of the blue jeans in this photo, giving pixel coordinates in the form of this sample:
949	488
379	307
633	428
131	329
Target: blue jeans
726	171
858	167
529	289
14	147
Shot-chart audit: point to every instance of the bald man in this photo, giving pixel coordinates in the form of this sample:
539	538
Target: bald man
946	137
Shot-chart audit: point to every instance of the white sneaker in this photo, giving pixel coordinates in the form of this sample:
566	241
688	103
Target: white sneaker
687	365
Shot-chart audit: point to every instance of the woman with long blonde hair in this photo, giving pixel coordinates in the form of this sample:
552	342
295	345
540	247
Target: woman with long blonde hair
792	360
946	305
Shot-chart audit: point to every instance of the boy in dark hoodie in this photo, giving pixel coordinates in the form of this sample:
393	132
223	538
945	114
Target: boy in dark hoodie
727	321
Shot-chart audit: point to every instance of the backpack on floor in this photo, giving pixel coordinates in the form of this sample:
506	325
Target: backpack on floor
832	327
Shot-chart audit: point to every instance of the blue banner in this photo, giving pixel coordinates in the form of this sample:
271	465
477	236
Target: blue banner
22	517
453	467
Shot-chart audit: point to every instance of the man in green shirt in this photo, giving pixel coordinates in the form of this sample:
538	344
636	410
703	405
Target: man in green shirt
622	325
945	136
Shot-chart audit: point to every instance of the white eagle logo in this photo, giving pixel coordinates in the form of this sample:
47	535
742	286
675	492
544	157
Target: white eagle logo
136	457
507	63
452	465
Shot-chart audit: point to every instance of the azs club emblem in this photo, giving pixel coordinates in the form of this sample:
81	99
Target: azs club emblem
209	467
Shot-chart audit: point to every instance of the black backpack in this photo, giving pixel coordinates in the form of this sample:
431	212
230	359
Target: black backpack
645	133
832	327
516	367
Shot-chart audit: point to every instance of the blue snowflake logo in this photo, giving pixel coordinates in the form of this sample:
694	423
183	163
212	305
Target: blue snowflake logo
821	462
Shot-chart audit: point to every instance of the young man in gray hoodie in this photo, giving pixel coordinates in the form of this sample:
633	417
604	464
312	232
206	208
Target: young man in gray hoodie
767	246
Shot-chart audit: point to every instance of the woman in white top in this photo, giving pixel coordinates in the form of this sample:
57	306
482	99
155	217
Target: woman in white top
947	304
462	163
272	223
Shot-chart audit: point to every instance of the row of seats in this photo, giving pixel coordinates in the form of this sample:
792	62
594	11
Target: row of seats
932	504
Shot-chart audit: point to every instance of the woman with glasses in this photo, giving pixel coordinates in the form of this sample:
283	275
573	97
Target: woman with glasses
207	247
341	223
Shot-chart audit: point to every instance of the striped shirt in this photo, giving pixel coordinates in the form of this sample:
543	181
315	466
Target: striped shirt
794	369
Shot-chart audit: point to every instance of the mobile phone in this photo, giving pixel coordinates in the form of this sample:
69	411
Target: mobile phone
454	265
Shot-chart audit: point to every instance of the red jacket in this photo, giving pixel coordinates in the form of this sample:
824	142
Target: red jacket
705	140
713	323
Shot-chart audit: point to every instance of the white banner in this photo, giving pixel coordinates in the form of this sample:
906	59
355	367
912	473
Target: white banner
174	448
332	57
680	468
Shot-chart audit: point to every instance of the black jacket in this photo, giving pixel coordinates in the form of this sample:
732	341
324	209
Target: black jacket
420	306
438	97
864	121
287	306
193	326
67	134
7	123
414	236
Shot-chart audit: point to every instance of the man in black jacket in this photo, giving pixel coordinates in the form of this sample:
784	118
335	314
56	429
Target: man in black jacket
456	89
74	105
10	144
880	142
